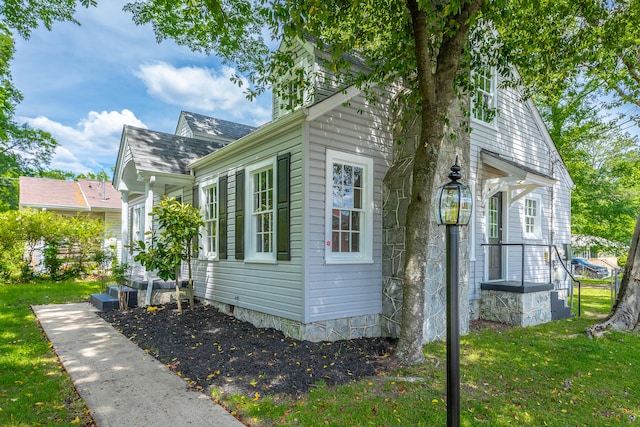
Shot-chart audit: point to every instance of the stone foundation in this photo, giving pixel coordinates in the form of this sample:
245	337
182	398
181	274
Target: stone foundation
160	296
514	308
367	326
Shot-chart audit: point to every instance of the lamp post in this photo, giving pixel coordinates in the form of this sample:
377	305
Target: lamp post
453	208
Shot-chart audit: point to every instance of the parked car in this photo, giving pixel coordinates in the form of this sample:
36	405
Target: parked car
584	267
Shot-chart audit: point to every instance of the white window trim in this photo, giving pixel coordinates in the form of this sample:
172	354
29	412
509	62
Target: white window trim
206	252
365	256
137	222
250	229
493	105
537	226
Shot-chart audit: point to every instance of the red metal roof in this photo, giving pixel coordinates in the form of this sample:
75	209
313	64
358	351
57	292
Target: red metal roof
81	195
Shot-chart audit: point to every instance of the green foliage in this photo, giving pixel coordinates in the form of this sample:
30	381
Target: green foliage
23	150
580	59
178	224
555	42
604	163
120	272
22	233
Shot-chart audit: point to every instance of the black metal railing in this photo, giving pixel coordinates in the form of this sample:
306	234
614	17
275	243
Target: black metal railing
573	279
534	274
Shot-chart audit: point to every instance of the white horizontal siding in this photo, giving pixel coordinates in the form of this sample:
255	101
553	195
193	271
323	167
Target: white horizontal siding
276	288
344	290
517	135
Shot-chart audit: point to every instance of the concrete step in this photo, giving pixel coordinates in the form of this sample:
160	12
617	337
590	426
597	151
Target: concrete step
559	309
104	302
132	294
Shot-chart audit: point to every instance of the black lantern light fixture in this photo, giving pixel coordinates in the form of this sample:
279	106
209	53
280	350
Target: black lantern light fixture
453	206
453	200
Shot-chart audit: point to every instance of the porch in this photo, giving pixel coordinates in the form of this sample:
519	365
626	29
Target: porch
535	285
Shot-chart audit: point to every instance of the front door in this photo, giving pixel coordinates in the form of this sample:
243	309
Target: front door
494	231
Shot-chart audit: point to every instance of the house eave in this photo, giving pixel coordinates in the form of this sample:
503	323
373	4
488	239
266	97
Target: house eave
55	207
164	177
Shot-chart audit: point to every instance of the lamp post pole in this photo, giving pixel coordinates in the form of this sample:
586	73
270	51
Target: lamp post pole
453	208
453	329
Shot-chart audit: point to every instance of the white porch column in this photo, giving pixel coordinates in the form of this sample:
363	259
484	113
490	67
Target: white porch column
148	226
124	227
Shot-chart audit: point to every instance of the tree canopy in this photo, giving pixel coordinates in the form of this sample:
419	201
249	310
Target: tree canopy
23	150
580	63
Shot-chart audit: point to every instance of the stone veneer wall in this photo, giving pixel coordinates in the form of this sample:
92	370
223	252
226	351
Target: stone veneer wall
367	326
396	199
159	296
518	309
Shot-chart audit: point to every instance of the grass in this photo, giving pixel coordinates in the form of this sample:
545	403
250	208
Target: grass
548	375
34	390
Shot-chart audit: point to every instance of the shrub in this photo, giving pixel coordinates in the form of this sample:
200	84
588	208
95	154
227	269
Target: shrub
24	234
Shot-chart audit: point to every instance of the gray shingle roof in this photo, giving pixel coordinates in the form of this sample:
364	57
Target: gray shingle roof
164	152
212	126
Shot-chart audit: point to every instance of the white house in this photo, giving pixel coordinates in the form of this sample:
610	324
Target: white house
297	235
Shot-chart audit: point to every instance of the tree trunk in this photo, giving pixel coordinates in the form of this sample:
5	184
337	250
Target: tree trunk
178	289
191	303
123	298
625	315
437	95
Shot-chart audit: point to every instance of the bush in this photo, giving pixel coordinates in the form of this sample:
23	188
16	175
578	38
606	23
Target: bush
26	234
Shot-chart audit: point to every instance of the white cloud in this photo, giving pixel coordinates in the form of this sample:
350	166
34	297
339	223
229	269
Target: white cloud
201	89
92	144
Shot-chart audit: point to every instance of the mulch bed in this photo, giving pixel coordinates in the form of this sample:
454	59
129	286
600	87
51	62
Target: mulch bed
207	348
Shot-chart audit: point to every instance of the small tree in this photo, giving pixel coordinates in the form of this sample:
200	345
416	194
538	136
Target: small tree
120	273
179	225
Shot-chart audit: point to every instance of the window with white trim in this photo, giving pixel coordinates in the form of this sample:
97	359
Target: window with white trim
493	218
349	226
532	217
260	237
484	101
137	229
210	218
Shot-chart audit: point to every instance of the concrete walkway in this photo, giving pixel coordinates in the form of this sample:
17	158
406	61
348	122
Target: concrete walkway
121	384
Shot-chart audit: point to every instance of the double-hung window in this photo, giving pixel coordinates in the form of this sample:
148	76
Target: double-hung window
349	204
261	212
137	229
532	217
210	217
484	101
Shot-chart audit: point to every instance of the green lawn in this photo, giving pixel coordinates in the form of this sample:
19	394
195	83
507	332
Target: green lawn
549	375
34	390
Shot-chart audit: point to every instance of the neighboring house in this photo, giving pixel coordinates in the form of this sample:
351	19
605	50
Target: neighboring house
302	214
93	198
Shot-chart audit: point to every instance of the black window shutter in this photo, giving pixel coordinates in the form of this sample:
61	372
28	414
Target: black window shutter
283	206
195	202
222	217
240	214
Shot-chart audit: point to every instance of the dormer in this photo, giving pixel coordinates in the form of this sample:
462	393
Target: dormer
308	82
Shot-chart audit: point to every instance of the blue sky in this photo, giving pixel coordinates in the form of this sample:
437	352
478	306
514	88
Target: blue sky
83	83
